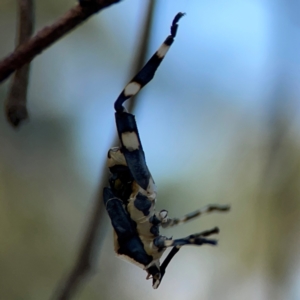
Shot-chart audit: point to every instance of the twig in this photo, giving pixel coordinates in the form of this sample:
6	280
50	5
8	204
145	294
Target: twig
50	34
96	228
15	105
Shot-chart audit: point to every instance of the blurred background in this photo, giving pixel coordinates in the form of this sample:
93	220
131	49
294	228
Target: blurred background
219	124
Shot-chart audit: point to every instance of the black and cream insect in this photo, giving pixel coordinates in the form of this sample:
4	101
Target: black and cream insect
130	199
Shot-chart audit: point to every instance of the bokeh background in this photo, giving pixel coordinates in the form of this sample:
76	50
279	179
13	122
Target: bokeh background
219	124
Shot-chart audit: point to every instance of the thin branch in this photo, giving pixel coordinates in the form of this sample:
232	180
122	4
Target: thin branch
15	105
50	34
90	245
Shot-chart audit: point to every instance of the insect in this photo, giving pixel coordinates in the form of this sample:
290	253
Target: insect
130	199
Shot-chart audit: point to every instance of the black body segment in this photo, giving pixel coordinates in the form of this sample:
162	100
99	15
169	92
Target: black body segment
126	123
121	182
129	241
132	148
143	204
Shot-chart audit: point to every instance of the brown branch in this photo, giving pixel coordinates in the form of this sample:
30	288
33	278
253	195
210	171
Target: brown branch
15	105
50	34
96	227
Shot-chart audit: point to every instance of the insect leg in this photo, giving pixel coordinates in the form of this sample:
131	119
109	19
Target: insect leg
119	218
197	239
147	72
130	244
132	149
195	214
173	252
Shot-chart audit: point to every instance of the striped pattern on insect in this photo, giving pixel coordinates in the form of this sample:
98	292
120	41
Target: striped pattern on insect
130	199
